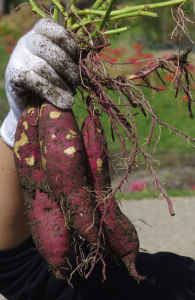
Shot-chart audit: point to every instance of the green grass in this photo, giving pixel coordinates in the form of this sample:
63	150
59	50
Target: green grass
150	194
170	110
3	95
3	62
4	106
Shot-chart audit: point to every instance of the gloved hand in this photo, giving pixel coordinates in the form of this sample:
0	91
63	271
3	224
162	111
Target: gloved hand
43	64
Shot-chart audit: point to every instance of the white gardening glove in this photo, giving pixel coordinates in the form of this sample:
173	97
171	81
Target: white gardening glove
43	64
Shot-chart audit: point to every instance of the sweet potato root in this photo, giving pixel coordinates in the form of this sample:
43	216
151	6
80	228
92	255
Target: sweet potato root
51	236
64	165
120	234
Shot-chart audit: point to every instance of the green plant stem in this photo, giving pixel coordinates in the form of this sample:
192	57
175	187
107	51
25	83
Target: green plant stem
123	13
128	9
134	14
146	7
60	7
108	15
105	18
36	9
94	7
70	21
118	30
96	12
85	22
97	4
90	12
72	6
55	15
104	6
92	15
108	12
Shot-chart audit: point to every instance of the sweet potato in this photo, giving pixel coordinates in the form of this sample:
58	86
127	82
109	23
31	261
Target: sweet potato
64	165
120	234
51	236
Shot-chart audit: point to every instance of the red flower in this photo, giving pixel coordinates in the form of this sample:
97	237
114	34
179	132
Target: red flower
132	59
185	98
136	70
103	55
137	46
9	50
191	67
96	58
112	59
10	40
139	53
122	50
117	52
136	186
168	77
147	56
109	50
161	87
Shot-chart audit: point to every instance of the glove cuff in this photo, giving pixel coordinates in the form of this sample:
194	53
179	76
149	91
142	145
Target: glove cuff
8	128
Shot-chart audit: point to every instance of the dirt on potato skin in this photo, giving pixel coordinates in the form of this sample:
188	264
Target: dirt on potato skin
63	162
30	186
52	237
120	235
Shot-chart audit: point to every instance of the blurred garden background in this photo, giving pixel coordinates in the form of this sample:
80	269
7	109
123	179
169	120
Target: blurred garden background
149	38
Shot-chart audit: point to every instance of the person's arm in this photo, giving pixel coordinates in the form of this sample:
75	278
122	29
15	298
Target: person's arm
14	227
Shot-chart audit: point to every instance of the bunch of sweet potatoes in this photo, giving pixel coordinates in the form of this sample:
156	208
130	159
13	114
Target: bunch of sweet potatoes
65	178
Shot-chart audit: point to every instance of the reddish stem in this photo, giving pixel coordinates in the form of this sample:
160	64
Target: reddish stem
151	131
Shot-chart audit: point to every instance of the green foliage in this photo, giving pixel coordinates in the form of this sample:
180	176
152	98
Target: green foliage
8	36
155	32
149	194
3	63
4	106
171	111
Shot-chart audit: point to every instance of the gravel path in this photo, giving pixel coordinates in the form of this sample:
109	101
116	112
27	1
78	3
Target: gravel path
174	234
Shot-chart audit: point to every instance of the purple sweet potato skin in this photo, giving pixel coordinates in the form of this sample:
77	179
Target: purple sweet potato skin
64	164
120	234
52	238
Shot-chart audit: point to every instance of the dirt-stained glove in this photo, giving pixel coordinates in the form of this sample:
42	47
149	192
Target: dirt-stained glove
43	63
